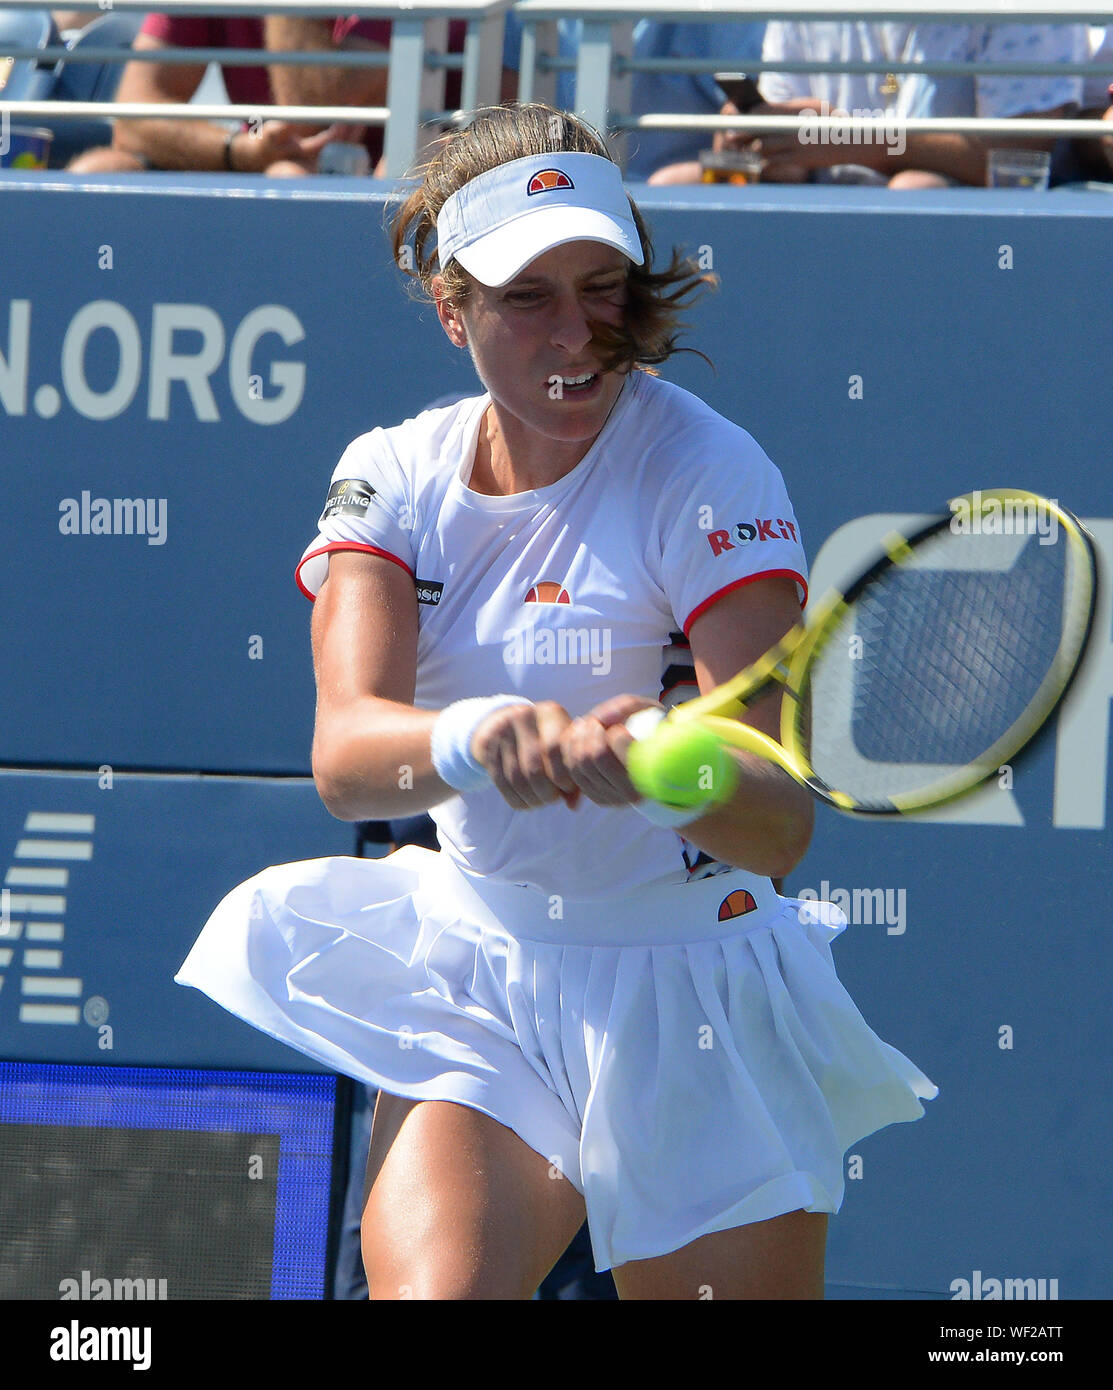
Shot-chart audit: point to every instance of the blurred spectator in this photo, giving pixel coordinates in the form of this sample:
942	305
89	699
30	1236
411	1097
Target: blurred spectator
1103	151
732	44
276	147
70	21
1095	90
1090	161
896	157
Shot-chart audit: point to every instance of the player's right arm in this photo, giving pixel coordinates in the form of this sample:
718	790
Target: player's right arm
372	758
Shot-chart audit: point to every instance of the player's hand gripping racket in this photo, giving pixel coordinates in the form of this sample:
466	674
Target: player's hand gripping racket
934	667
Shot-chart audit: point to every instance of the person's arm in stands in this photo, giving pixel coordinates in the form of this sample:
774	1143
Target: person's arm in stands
688	171
965	157
67	20
181	144
790	160
962	157
324	86
320	86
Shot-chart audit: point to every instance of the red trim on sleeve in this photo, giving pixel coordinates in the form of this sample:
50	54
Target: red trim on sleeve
702	608
344	545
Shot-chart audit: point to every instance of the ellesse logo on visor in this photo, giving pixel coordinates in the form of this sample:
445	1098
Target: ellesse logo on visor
547	180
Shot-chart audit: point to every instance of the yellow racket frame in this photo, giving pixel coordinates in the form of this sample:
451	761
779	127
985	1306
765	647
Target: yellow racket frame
788	662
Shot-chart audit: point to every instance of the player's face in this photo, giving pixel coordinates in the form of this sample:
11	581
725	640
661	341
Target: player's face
531	343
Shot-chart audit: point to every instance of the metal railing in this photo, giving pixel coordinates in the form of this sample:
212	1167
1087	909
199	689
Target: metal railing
605	62
418	61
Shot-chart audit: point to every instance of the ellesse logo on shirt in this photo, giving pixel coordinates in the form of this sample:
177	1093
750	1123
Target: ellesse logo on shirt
428	591
548	591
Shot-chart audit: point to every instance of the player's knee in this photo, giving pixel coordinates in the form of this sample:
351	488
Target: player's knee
420	1261
455	1279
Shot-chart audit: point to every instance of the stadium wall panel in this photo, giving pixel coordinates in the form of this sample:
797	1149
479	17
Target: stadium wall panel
213	346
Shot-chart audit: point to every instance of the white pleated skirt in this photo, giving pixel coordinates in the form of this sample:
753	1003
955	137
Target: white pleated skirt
685	1055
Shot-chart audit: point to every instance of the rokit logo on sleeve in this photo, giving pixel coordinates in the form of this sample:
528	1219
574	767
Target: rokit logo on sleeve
744	532
347	497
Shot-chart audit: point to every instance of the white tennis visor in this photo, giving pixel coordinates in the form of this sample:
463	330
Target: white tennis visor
502	220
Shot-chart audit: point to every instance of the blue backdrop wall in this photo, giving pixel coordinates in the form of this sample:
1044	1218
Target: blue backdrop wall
210	348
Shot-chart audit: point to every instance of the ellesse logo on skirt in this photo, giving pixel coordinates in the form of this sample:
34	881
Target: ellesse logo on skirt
736	904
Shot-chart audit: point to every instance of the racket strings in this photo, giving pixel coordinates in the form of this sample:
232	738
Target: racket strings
939	658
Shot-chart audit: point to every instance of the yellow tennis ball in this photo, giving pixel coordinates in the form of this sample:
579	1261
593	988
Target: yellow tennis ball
682	765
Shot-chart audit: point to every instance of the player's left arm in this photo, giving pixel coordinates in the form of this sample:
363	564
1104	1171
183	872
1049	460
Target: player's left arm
766	826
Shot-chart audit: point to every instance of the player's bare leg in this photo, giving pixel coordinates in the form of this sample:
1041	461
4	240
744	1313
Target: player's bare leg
459	1207
777	1259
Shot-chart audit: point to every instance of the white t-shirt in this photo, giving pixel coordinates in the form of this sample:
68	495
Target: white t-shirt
925	95
575	592
1095	90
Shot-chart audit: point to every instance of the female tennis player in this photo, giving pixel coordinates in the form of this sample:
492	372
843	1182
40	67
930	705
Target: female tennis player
585	1004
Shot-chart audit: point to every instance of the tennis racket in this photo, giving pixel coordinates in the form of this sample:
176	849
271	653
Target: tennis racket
938	664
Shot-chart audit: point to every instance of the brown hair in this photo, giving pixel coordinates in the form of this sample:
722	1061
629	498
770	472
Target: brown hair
497	135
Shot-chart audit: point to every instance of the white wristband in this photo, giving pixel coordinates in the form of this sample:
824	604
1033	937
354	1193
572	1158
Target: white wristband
452	736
